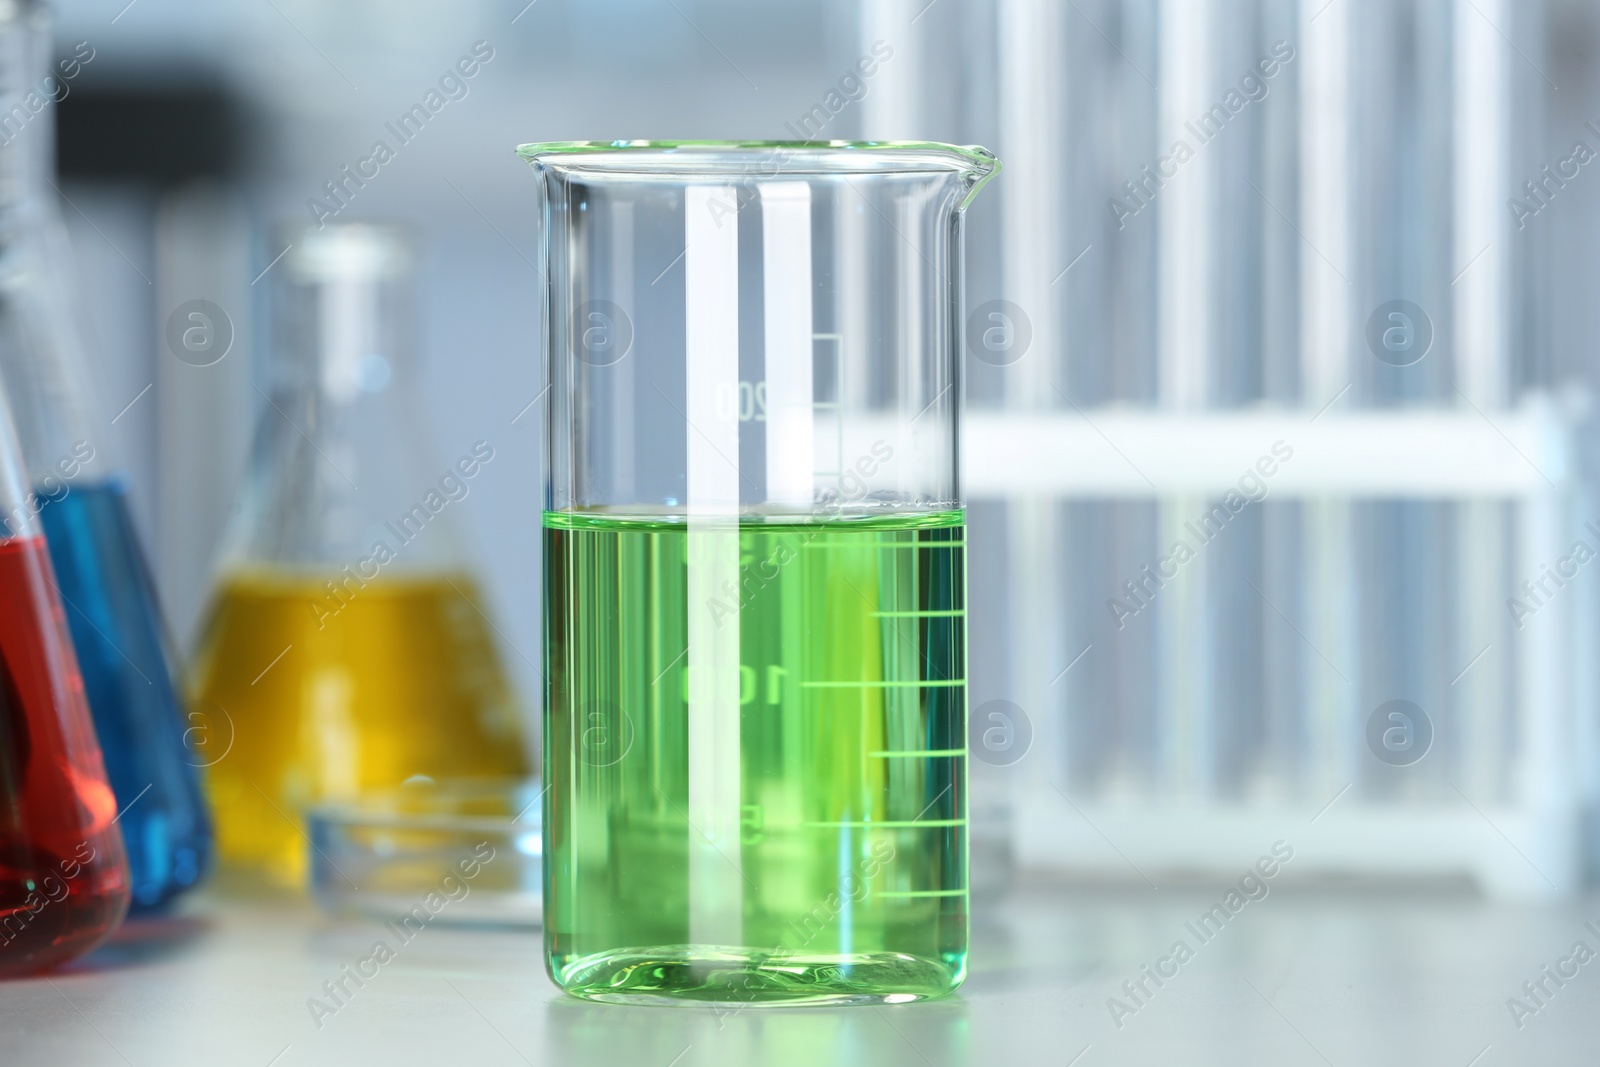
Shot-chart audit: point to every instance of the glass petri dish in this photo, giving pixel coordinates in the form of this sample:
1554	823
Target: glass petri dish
461	851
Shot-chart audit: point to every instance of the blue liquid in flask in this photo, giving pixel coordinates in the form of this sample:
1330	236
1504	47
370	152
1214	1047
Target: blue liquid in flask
119	638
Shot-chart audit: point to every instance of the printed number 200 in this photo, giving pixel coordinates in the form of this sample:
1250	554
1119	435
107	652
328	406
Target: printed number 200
747	401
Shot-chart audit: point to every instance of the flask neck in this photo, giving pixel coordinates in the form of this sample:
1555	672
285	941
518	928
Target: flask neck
337	457
332	424
29	92
338	339
41	354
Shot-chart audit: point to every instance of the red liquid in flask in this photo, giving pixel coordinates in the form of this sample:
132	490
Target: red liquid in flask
63	875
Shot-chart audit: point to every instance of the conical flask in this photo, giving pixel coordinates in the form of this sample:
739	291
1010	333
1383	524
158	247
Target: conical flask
64	882
116	626
346	641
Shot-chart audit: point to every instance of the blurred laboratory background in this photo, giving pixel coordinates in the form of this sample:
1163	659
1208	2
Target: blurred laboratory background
1278	363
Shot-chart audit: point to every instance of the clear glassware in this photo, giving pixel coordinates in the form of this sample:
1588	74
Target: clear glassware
123	649
476	842
64	879
346	641
755	634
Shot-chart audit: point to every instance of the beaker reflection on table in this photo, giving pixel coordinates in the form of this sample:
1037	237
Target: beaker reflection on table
911	1035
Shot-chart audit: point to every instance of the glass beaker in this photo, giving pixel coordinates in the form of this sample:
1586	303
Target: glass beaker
64	881
122	646
347	641
755	643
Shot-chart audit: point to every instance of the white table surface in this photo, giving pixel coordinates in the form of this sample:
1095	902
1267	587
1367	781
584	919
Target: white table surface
1302	977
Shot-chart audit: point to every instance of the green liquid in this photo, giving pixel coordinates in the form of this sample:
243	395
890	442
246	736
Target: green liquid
827	677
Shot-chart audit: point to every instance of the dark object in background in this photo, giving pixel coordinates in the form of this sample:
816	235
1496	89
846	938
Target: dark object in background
166	135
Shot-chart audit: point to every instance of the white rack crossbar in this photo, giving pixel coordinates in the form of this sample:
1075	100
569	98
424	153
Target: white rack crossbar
1143	454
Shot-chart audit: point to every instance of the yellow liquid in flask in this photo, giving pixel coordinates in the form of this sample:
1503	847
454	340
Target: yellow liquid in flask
404	679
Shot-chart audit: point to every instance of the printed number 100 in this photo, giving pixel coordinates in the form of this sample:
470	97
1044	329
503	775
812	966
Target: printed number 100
747	685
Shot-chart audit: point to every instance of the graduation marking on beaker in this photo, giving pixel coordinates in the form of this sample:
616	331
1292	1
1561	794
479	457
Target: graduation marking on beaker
824	543
941	683
886	824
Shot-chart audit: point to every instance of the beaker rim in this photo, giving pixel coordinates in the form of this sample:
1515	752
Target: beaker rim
674	158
